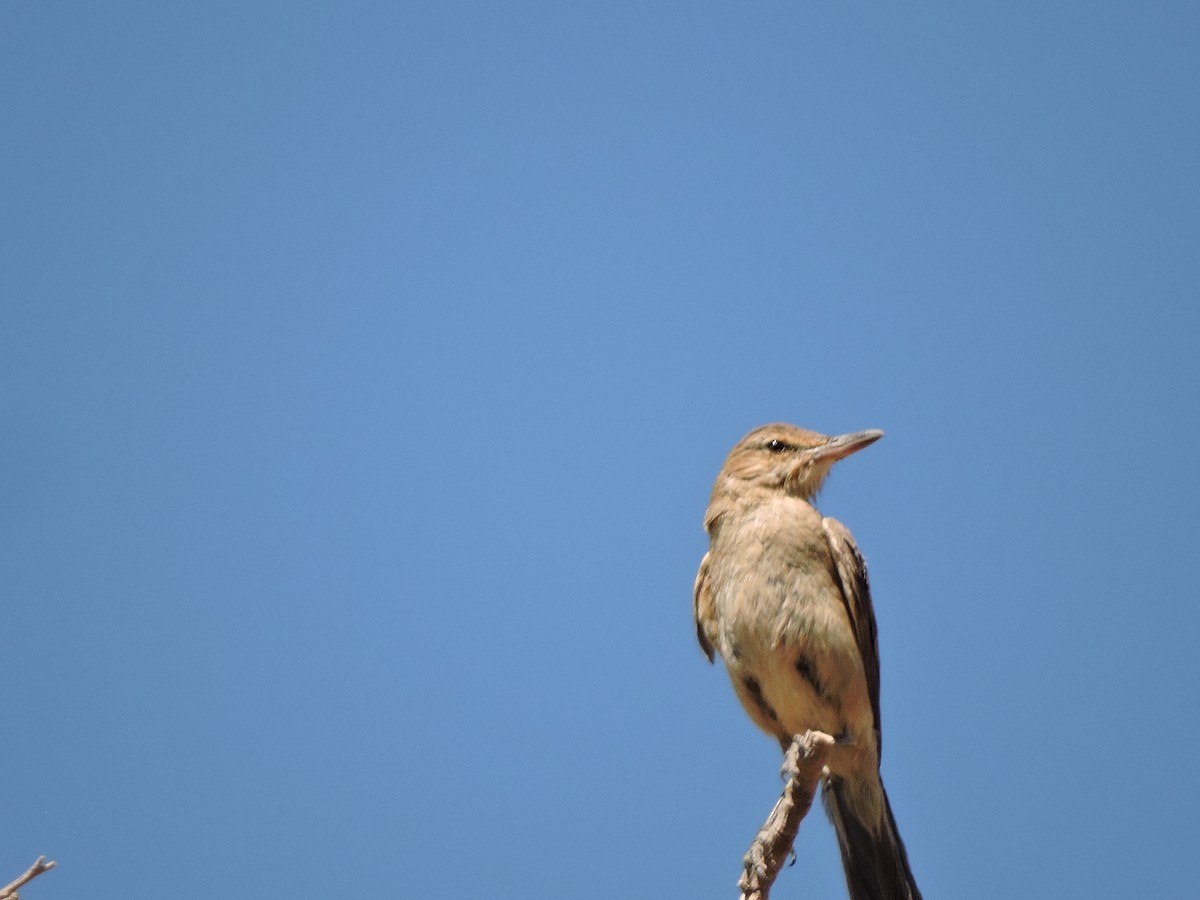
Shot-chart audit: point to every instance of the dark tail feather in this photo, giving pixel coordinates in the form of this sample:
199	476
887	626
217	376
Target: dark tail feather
874	859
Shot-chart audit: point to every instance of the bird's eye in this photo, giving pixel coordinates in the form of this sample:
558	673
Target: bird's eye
776	446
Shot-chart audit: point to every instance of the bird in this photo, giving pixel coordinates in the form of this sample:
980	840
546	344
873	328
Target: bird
782	597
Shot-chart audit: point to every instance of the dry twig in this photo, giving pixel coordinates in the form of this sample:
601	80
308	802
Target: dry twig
803	762
9	891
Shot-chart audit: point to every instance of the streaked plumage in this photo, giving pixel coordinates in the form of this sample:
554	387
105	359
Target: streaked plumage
782	597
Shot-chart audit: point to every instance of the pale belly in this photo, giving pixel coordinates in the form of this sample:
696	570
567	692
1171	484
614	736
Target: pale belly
786	639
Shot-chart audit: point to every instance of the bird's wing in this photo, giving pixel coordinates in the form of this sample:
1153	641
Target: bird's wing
703	610
856	594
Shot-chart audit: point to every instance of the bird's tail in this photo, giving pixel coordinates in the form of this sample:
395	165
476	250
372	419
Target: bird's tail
874	858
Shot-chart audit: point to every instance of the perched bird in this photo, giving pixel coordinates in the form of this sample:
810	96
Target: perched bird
782	597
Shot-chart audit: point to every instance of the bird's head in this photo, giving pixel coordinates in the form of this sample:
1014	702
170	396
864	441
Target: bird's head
786	458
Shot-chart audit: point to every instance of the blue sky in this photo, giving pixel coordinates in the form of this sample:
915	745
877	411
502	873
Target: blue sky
365	369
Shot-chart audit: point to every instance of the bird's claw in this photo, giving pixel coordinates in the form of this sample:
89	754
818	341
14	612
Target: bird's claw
754	864
802	746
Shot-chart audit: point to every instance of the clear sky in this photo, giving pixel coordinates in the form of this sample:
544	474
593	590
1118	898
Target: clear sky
365	368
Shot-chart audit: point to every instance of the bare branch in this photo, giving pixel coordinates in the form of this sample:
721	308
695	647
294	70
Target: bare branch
9	891
803	763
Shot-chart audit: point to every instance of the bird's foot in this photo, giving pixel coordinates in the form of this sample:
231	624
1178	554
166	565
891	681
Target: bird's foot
801	747
754	866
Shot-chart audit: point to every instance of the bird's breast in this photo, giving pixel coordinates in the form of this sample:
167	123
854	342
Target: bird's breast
773	577
783	626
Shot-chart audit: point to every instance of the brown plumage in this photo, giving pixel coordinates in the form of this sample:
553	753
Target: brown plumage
782	597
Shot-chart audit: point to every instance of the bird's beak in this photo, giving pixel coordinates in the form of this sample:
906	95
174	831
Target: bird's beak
844	444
